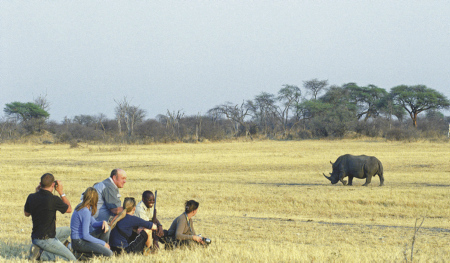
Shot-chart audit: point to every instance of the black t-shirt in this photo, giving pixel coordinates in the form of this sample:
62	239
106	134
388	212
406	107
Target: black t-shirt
42	206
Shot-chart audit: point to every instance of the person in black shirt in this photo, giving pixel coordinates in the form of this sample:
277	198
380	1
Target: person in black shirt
42	207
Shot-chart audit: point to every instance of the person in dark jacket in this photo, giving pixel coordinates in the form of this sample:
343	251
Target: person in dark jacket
122	228
182	228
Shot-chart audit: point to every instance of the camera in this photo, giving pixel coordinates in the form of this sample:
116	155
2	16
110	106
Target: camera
56	184
206	240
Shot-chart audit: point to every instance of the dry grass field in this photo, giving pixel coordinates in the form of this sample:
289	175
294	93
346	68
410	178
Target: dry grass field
261	201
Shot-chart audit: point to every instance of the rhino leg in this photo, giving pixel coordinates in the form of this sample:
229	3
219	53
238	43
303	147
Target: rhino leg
341	178
350	180
368	180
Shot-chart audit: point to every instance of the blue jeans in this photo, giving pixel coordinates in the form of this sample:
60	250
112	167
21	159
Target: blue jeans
53	248
83	246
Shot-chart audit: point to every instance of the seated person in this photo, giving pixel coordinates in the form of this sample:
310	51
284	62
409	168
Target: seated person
182	228
83	242
144	210
122	228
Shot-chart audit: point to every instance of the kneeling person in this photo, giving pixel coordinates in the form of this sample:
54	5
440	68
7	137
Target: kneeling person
84	241
42	207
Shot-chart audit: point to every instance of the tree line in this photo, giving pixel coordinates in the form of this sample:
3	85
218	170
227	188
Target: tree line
317	110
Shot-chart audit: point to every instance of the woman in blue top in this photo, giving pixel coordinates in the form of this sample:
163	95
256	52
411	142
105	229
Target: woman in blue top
84	241
122	228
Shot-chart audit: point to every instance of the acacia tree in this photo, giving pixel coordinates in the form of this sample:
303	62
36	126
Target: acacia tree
366	99
25	111
415	99
387	107
315	86
31	115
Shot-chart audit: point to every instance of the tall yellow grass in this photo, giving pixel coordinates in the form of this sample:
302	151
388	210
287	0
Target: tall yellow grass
264	201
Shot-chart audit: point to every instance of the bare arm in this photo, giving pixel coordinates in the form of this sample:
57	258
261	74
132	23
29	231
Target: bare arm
59	189
66	201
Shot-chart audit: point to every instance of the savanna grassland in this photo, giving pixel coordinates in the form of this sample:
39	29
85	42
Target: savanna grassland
261	201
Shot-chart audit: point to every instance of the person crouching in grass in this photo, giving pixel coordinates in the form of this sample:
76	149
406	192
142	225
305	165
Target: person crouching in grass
85	241
122	228
182	228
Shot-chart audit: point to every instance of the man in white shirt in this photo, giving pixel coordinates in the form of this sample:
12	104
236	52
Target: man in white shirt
144	210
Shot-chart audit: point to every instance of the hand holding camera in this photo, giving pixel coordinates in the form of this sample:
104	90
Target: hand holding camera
59	187
204	240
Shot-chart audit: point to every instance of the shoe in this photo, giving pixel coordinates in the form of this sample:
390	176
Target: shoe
35	253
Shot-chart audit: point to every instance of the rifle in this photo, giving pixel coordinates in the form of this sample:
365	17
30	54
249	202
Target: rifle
156	222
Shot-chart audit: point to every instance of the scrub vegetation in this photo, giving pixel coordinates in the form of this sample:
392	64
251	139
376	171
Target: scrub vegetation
320	111
260	201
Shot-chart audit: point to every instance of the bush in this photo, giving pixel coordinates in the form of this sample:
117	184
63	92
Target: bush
80	132
305	134
332	123
398	134
372	128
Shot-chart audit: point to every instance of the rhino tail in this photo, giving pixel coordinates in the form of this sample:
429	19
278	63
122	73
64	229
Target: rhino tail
380	173
380	168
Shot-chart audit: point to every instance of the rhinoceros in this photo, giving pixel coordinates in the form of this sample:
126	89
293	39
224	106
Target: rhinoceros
355	166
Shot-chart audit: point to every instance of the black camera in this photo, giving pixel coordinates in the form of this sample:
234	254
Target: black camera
56	184
206	240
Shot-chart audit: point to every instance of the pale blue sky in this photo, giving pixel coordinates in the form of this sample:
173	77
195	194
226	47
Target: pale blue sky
194	55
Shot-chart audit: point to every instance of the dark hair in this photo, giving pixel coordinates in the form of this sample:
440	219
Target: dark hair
190	206
47	180
114	172
145	194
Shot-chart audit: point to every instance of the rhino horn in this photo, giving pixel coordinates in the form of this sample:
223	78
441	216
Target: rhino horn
331	162
329	178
